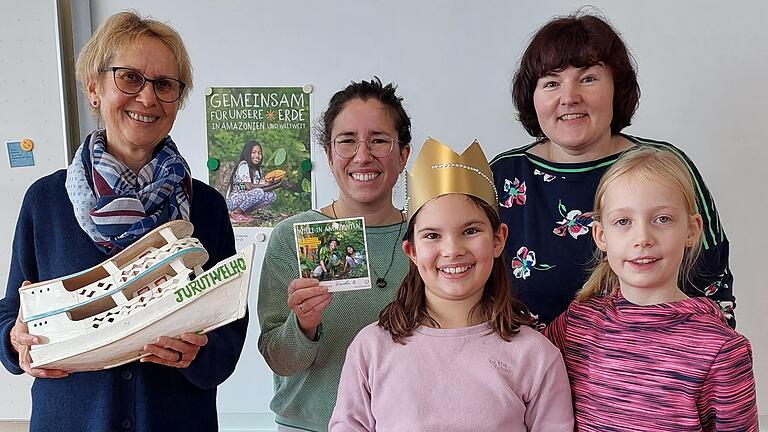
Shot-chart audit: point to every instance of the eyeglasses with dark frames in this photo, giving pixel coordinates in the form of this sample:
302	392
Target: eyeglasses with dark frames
379	145
131	82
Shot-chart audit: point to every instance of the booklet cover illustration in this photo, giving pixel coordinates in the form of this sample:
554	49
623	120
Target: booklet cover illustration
335	252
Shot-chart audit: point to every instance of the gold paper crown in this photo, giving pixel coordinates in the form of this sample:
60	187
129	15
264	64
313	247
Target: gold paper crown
438	170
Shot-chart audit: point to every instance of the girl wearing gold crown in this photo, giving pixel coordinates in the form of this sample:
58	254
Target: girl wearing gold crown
453	350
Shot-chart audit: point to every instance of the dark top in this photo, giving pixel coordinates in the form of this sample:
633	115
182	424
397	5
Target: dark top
548	208
138	396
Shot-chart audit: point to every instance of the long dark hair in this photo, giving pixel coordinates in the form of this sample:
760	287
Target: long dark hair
245	155
504	312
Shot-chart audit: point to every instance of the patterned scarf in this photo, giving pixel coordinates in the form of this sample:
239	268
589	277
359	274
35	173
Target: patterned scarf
114	206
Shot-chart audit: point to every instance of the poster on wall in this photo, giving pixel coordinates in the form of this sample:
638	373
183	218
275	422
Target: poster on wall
259	151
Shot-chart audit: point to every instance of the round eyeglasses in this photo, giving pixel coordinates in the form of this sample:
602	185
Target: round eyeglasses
131	82
346	146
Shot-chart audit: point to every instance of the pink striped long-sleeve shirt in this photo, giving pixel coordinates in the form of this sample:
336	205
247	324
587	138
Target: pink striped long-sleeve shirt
666	367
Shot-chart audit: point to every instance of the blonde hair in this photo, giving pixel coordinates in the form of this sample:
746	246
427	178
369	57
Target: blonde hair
643	164
120	30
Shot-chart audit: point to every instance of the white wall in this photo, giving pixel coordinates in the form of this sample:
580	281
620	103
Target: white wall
701	71
31	106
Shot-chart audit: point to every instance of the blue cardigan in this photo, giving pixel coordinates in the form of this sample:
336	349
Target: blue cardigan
138	396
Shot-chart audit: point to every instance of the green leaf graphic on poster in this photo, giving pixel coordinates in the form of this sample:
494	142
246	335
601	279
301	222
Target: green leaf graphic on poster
261	136
280	156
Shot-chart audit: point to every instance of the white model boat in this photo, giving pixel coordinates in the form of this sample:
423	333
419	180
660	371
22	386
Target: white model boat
102	317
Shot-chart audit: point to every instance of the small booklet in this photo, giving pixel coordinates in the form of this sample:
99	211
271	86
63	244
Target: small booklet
335	252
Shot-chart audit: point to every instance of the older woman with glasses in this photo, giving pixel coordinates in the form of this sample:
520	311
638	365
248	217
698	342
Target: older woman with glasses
305	331
125	180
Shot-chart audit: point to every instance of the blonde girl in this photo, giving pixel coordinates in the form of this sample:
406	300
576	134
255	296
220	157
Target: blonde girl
641	354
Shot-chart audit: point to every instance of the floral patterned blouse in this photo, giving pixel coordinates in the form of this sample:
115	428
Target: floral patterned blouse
548	208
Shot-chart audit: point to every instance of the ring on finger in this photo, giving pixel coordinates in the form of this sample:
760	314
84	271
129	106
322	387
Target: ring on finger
301	306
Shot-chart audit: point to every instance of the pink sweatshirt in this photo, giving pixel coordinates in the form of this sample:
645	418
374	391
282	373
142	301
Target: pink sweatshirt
466	379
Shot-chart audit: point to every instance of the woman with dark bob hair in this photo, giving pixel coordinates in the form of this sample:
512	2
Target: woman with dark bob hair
575	91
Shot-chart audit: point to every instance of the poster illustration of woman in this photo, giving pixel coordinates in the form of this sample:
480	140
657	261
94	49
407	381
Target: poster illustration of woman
248	189
259	140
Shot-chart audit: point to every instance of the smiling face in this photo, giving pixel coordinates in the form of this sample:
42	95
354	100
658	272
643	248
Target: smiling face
575	107
454	247
644	229
136	123
256	155
365	179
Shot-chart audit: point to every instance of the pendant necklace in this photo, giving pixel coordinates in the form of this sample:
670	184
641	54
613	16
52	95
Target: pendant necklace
381	281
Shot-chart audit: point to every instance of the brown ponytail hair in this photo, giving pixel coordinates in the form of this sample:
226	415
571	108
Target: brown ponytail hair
642	164
408	310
